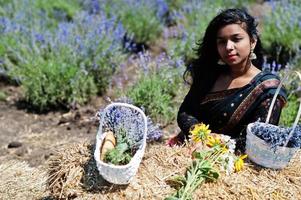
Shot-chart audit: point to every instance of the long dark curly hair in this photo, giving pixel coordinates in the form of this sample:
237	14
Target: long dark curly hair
204	70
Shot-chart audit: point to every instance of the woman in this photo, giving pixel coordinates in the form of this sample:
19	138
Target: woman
228	89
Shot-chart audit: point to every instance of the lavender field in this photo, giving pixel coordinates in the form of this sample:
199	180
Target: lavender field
63	61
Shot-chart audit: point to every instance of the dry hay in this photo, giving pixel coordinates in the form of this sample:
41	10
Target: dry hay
20	181
74	175
259	183
66	170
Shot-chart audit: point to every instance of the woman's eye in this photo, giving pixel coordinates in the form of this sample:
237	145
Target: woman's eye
221	41
237	39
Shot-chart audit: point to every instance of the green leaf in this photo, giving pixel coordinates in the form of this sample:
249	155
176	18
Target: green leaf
214	174
176	181
122	153
172	198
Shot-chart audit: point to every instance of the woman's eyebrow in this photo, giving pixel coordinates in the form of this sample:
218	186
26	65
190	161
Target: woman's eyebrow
234	35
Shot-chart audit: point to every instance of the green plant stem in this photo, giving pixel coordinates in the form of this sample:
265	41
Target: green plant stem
193	183
199	171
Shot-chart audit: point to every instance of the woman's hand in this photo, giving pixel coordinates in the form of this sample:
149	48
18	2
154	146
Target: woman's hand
175	140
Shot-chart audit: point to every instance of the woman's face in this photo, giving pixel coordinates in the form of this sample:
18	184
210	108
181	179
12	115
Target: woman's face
234	45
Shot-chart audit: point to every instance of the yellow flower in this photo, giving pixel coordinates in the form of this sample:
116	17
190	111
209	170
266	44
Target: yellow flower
239	163
200	132
225	149
213	141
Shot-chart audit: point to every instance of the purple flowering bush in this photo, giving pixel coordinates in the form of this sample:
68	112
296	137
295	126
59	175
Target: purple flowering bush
191	20
158	86
47	45
64	65
141	19
282	30
27	11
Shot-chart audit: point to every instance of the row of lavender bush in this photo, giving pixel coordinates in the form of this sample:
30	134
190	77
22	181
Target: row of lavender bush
59	62
65	52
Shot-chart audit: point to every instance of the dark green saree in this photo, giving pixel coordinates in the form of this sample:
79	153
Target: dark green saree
230	111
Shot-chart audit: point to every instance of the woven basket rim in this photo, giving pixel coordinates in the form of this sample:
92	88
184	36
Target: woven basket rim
99	141
269	145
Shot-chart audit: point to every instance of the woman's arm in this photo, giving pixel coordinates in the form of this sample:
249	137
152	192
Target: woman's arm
188	111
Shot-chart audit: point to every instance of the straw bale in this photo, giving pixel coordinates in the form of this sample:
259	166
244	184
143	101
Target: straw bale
255	182
74	175
66	170
20	181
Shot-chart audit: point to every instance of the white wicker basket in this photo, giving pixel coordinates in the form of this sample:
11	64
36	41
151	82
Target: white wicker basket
261	152
134	122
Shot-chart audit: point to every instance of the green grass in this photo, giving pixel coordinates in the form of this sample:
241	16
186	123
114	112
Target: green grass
156	94
3	96
289	112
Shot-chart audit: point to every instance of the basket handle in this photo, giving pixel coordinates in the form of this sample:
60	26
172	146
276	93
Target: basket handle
274	100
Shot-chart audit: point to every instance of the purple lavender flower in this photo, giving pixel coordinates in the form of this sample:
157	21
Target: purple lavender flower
64	31
277	136
154	133
119	31
162	8
95	6
39	38
116	115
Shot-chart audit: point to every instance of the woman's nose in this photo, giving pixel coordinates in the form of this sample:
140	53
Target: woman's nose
229	45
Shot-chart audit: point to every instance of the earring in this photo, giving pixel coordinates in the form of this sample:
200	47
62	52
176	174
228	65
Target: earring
221	62
252	55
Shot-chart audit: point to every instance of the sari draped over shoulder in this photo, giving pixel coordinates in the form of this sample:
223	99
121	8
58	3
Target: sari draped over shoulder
230	111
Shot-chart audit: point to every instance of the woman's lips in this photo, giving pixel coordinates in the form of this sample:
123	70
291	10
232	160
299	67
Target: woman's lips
231	57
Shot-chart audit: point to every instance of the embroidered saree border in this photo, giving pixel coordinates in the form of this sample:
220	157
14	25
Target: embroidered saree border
242	108
218	95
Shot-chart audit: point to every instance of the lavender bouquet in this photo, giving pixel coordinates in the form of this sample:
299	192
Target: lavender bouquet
154	133
277	136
